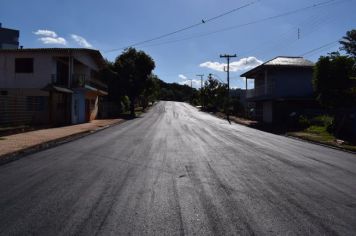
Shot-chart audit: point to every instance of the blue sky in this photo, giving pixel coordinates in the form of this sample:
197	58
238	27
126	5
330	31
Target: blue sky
107	25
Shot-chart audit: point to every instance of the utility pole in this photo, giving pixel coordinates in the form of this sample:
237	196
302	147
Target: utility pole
201	88
201	80
227	56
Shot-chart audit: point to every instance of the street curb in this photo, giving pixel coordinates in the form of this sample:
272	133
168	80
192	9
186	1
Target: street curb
320	144
292	137
13	156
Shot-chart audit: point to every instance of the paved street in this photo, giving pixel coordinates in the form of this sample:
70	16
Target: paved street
178	171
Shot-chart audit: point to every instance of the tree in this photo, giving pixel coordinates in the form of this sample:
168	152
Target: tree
333	81
214	94
348	43
134	68
151	91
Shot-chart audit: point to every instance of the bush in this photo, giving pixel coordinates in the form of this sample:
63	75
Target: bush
303	122
323	120
125	102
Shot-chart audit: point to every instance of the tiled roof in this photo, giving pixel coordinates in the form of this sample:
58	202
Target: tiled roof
281	61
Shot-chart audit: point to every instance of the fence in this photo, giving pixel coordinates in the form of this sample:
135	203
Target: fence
23	110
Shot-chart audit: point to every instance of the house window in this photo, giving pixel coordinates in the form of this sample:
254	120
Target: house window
37	103
23	65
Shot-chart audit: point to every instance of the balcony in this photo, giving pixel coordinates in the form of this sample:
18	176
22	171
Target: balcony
60	79
80	80
261	91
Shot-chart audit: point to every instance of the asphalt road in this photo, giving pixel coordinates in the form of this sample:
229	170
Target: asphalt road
178	171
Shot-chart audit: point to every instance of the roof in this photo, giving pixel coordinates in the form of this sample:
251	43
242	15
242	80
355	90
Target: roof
95	53
281	61
54	88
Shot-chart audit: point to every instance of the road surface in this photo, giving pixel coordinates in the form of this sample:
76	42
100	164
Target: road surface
178	171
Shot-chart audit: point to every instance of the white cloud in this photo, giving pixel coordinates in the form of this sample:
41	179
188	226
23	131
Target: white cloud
183	77
242	64
50	40
50	37
46	33
81	41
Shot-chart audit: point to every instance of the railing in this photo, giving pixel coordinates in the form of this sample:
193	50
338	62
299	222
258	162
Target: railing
78	81
59	79
260	91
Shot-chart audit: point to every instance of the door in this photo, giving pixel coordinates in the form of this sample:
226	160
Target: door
87	109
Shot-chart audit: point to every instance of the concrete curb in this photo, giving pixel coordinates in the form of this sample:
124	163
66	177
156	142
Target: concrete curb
13	156
320	144
293	137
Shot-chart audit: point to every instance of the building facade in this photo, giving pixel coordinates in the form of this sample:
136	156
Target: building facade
282	86
9	38
55	86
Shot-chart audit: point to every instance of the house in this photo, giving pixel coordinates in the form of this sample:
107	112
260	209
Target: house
9	38
55	86
282	86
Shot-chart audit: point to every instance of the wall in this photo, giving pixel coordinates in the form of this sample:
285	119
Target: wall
267	112
78	106
43	67
21	106
86	59
9	38
93	99
292	82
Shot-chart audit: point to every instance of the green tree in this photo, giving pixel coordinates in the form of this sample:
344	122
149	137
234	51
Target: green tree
333	81
348	43
151	91
214	94
134	68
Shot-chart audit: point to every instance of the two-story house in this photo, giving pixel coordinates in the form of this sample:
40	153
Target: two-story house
282	86
50	85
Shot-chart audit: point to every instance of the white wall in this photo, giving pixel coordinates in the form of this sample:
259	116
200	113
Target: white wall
44	64
43	67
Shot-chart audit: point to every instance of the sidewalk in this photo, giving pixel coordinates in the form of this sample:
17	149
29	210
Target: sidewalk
15	144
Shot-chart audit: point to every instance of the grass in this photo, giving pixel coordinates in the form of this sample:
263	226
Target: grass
320	134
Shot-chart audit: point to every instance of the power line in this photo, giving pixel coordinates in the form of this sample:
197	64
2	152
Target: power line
248	23
318	48
186	28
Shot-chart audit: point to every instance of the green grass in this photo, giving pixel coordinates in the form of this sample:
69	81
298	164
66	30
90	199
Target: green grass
320	134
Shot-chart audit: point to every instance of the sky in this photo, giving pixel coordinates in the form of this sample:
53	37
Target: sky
255	30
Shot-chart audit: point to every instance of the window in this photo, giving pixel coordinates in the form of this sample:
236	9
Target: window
23	65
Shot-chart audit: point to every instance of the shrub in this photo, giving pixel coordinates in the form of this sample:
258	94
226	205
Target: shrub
303	122
323	120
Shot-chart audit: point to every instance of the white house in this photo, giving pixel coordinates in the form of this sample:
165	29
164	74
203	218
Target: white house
50	85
